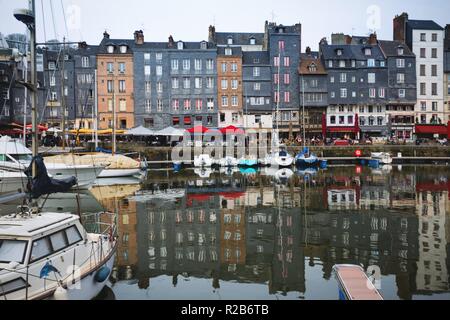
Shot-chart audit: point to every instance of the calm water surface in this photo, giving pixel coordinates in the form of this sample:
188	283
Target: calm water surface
269	235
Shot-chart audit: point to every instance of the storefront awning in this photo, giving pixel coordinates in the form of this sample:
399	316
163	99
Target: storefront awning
431	129
342	129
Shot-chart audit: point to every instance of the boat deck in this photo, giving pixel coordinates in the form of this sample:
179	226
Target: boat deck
355	283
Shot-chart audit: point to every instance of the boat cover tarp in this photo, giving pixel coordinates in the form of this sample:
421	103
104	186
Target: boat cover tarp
116	161
42	184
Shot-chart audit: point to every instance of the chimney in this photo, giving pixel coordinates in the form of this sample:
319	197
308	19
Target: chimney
308	50
139	37
171	42
82	45
348	39
400	27
105	35
373	38
212	34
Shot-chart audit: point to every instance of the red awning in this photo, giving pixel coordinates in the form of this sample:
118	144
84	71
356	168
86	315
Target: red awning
342	129
187	120
431	129
232	195
231	129
40	127
198	129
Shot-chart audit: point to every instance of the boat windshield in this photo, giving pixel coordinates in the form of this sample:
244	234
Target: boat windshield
22	157
12	250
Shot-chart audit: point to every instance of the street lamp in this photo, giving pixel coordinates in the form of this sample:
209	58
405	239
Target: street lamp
27	17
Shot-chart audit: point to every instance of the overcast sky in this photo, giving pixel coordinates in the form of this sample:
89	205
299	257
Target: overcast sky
188	20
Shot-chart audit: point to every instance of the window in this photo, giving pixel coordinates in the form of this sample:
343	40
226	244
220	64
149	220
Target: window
287	78
371	63
198	104
434	37
146	56
234	67
422	70
121	67
52	80
423	53
198	64
380	121
40	248
187	104
209	82
343	93
159	87
400	63
423	106
368	51
234	84
371	78
287	61
350	120
110	86
210	104
110	104
434	70
122	86
180	45
434	89
175	104
234	117
423	37
228	51
147	70
122	105
331	79
341	63
110	67
148	106
234	101
256	71
85	62
287	97
372	93
158	56
252	41
175	121
434	106
224	101
186	83
257	86
401	93
341	120
203	45
332	94
381	92
186	64
281	45
224	67
339	52
333	119
175	83
110	49
230	40
224	84
159	70
198	83
343	77
276	78
174	64
330	63
400	78
123	49
209	120
12	251
423	89
209	64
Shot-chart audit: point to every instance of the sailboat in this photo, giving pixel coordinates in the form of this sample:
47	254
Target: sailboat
279	155
45	255
305	158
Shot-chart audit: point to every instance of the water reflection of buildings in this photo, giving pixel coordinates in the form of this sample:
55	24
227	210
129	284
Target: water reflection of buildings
233	229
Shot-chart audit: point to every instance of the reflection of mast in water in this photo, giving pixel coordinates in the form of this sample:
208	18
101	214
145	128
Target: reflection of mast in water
280	224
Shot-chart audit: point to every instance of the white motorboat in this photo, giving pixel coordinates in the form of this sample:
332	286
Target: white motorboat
279	158
203	160
11	181
382	157
282	174
52	256
228	161
15	156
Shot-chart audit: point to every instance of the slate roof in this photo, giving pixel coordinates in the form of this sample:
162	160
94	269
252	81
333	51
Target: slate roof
250	56
236	51
423	25
305	62
102	48
389	48
350	51
239	38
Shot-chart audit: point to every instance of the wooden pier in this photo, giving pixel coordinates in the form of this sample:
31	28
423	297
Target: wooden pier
354	284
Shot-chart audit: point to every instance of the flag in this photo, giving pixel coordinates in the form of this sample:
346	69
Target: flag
46	270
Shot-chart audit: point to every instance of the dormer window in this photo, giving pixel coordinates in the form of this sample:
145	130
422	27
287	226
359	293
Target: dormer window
312	68
203	45
252	41
280	30
400	51
110	49
123	49
339	52
368	51
228	52
180	45
230	40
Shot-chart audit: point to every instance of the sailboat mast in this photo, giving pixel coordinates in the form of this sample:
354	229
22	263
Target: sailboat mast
113	151
303	111
32	28
94	120
63	109
25	101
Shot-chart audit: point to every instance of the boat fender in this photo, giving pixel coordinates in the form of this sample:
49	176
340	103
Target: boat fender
102	274
61	294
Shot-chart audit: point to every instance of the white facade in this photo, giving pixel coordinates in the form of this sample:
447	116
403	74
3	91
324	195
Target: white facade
429	106
341	116
230	118
263	121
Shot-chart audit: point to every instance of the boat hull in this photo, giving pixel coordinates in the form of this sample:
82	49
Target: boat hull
117	173
85	175
12	182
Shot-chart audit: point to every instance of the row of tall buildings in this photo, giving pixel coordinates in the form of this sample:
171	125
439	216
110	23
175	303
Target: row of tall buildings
353	86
